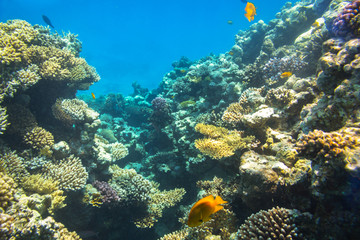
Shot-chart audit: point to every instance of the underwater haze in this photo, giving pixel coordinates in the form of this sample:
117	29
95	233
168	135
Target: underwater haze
180	120
130	41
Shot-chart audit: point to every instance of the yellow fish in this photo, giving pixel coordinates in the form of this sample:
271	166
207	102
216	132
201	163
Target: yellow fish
202	210
231	53
93	95
230	22
286	74
250	10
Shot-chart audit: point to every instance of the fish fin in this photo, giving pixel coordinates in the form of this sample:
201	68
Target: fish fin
219	200
217	208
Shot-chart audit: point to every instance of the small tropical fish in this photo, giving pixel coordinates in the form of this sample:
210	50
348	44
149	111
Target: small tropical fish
202	210
316	24
183	71
231	53
47	21
230	22
93	95
250	10
286	74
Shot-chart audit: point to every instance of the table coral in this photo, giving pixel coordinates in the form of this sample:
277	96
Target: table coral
221	142
273	224
69	172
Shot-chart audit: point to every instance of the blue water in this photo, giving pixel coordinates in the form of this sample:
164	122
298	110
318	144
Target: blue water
129	41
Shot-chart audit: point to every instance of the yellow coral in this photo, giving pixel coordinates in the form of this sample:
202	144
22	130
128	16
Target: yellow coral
39	138
7	190
220	142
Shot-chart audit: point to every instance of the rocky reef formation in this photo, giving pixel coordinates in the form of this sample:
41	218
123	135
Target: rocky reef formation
274	123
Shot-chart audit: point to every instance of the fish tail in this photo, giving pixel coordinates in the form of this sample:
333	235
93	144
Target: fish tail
219	200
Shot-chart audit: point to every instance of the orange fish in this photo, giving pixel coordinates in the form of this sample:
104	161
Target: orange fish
202	210
231	53
286	74
93	95
250	10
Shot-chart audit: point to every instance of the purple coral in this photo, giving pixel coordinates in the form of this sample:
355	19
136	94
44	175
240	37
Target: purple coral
159	104
276	66
107	192
346	22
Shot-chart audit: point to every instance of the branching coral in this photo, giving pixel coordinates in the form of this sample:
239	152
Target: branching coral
39	138
69	172
329	145
132	188
74	110
159	200
38	184
21	120
220	142
108	152
3	120
275	67
7	190
13	165
276	223
28	76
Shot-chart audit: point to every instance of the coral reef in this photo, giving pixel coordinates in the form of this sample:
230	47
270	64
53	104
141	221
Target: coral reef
69	173
7	190
275	223
39	138
220	142
348	20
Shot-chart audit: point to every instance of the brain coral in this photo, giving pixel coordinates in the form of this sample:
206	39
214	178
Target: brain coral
276	223
69	172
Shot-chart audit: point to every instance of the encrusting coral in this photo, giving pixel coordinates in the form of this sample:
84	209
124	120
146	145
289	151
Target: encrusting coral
221	142
273	224
69	172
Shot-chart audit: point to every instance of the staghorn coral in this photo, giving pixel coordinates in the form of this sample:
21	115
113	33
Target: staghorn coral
69	172
276	66
275	223
28	76
108	152
13	165
21	120
177	235
74	110
3	120
6	225
132	188
107	192
39	138
159	200
28	224
220	142
7	190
